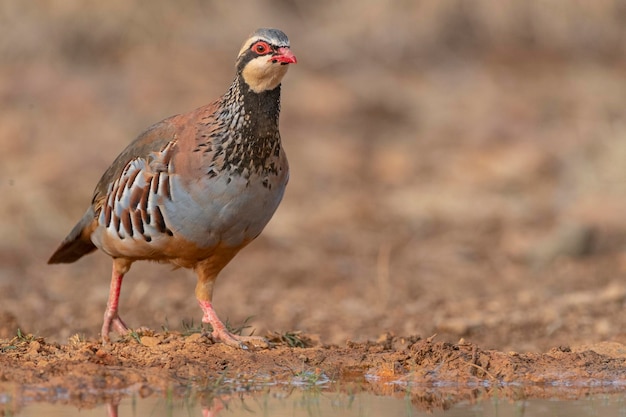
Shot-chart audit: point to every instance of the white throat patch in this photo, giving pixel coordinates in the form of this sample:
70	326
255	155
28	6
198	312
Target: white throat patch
262	75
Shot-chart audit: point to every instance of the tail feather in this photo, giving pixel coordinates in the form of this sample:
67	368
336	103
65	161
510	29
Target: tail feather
77	243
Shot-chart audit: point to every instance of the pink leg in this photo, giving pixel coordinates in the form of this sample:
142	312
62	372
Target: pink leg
112	409
221	333
217	405
111	316
207	271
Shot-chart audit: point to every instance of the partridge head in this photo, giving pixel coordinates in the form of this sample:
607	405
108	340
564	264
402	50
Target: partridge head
195	188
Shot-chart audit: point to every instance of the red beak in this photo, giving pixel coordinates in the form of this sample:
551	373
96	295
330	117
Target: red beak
284	56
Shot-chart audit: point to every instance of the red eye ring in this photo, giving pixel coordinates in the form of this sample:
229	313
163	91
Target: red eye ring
261	48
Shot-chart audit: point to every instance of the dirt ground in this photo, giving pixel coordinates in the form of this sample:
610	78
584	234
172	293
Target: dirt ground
433	374
457	168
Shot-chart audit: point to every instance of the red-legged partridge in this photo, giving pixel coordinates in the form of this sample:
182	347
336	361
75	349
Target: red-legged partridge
196	188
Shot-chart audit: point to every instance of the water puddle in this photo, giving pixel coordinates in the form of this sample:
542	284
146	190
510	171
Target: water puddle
316	395
305	404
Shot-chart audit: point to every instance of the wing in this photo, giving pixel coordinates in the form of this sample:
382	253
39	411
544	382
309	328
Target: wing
131	207
139	153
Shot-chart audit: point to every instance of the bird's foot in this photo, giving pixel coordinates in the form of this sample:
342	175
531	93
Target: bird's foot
221	334
112	321
241	342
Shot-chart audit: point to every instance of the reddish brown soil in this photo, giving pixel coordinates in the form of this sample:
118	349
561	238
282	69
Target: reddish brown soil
461	175
85	373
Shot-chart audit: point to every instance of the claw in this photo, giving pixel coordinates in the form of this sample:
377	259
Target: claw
221	334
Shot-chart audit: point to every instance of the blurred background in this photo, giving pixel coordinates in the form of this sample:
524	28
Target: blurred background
457	167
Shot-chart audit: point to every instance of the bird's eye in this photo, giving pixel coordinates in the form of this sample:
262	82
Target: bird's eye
261	48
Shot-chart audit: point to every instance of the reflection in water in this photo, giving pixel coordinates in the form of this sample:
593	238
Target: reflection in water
342	400
212	409
302	404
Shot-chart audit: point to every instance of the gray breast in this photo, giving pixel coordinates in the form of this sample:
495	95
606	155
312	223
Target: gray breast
228	209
